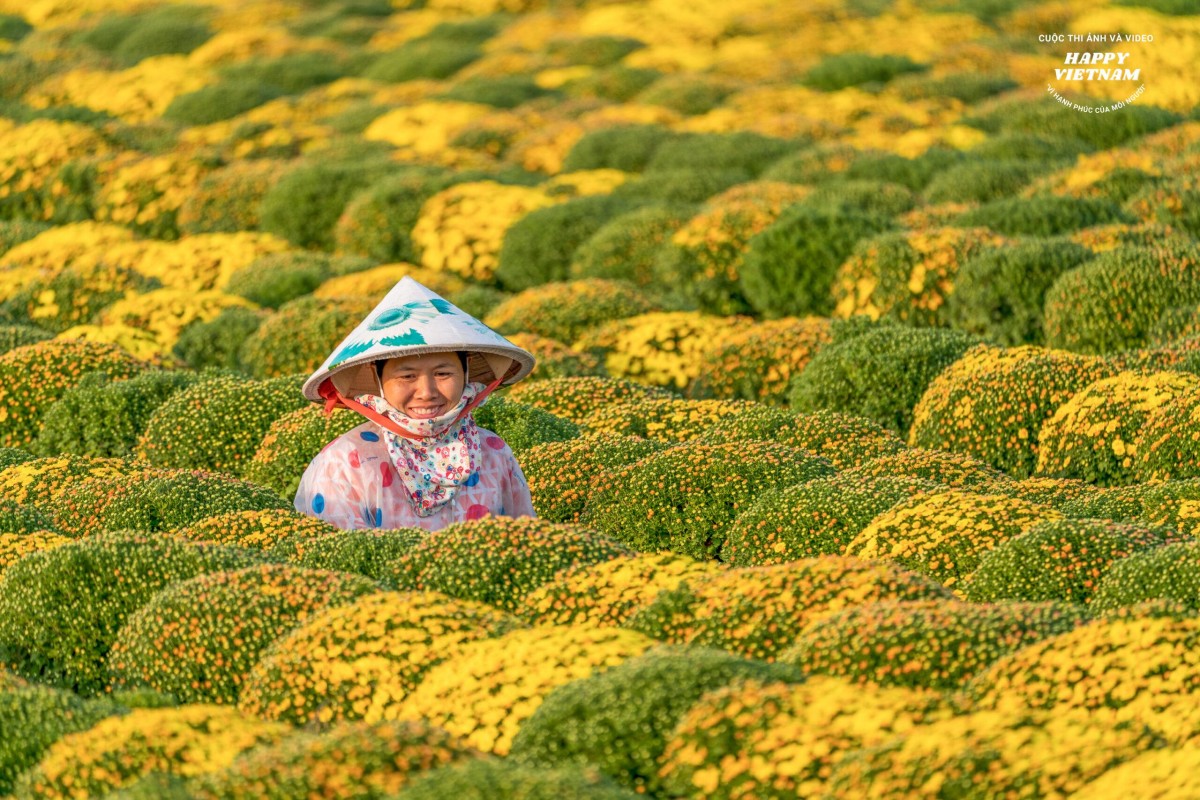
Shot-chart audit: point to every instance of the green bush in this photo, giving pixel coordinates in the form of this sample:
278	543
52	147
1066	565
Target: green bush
305	203
487	779
197	639
564	310
14	28
14	336
628	148
103	417
228	199
369	553
615	83
863	195
18	518
1168	202
1029	147
522	426
593	51
1051	120
422	58
378	221
498	560
501	91
299	336
689	94
981	181
1046	215
844	440
217	424
576	398
619	720
935	645
1169	573
15	231
681	186
913	173
685	499
558	473
1059	560
33	377
626	247
840	70
287	74
802	250
274	279
161	31
1113	302
216	343
539	246
290	444
61	609
968	87
220	101
999	294
938	466
745	150
879	374
11	456
157	501
813	519
35	717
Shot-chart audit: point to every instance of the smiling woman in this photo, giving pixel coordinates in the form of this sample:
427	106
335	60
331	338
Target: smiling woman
419	460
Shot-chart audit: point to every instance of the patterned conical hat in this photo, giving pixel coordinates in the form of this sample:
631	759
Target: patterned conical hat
411	321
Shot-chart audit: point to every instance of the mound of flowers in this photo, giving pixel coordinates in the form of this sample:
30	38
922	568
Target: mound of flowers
576	398
780	740
15	546
564	310
487	778
556	359
611	592
945	534
935	644
1166	448
757	612
197	639
758	363
1169	573
820	517
369	552
684	499
61	608
352	660
665	420
1169	771
499	560
992	403
521	426
290	444
1060	560
185	741
44	482
254	529
301	334
485	689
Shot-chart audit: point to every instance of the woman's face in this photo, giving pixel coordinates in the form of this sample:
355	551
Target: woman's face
423	386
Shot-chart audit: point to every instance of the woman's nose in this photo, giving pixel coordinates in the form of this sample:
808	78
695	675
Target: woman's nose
427	387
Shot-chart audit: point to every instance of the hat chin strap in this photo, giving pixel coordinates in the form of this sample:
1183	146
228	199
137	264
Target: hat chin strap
334	398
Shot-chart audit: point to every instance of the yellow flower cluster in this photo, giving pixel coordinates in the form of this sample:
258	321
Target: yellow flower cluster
146	193
424	130
950	469
57	248
1102	238
138	94
563	310
255	530
1167	774
197	263
244	42
485	689
30	158
189	740
912	283
544	148
137	341
376	282
758	363
610	592
1165	448
1094	435
660	348
584	183
663	420
755	740
42	481
460	229
15	545
555	359
77	292
576	398
944	535
164	313
352	661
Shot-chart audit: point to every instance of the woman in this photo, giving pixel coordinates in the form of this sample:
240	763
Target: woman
415	368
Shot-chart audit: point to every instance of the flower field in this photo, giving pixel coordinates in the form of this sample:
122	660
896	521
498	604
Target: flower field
864	435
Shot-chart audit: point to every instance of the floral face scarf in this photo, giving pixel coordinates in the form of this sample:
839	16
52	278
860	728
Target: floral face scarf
433	467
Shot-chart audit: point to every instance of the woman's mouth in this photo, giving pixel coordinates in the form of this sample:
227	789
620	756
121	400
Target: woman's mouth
424	411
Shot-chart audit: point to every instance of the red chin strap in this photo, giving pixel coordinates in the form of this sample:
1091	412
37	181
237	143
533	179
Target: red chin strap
334	398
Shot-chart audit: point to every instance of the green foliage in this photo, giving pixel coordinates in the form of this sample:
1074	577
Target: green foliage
228	199
913	173
802	251
378	221
35	717
522	426
565	310
840	70
61	609
160	31
217	424
157	501
863	195
18	518
1046	215
576	398
1059	560
15	231
11	456
220	101
1113	302
1028	147
369	553
681	186
627	246
77	297
684	499
628	148
981	180
999	294
14	28
217	342
274	279
1052	120
688	94
487	779
616	83
103	417
502	91
539	246
950	469
287	74
746	150
14	336
290	444
969	87
1169	573
499	560
197	639
422	58
879	374
593	51
477	300
619	720
301	334
813	519
304	205
558	473
845	440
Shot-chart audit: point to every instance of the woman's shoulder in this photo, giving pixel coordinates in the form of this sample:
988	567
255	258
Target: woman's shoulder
492	442
361	438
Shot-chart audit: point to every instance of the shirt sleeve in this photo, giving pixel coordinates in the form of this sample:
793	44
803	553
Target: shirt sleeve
517	500
325	492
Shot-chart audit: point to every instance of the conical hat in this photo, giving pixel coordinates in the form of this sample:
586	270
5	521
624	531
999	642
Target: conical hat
411	321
